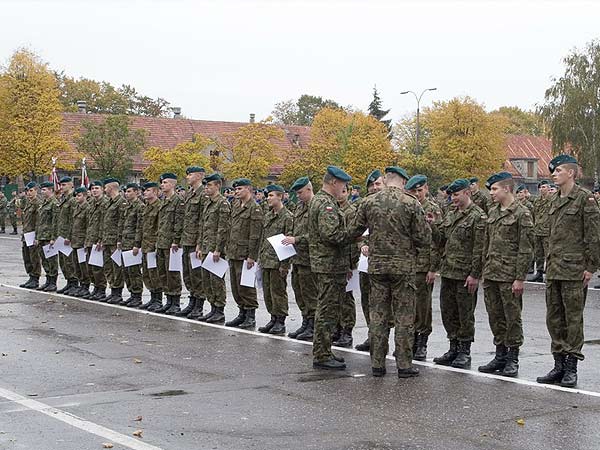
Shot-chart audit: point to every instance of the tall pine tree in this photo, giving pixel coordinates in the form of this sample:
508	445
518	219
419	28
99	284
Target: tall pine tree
376	111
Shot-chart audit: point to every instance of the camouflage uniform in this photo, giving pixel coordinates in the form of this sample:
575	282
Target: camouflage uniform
12	213
482	199
31	255
94	236
111	226
303	280
347	317
45	232
131	230
64	224
193	205
3	213
148	238
541	229
397	231
170	222
81	212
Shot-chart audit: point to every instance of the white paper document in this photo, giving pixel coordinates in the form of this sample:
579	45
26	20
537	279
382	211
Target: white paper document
366	233
49	251
354	282
283	251
116	257
363	264
218	268
248	275
151	260
175	261
62	247
81	255
29	238
194	261
129	259
96	257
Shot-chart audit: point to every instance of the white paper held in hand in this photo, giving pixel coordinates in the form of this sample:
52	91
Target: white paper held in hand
29	238
175	260
151	260
194	261
354	282
49	251
283	251
62	247
116	257
363	264
129	259
96	257
218	268
248	275
81	255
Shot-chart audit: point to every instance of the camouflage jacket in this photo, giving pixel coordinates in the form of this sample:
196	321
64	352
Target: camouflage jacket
508	244
149	226
131	225
424	254
214	228
328	234
193	205
397	231
47	218
81	213
170	222
246	226
300	233
541	218
527	204
30	216
12	206
281	222
64	224
482	199
458	249
574	242
352	248
112	221
95	220
3	206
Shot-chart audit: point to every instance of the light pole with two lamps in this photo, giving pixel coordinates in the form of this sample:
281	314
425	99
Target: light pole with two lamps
418	98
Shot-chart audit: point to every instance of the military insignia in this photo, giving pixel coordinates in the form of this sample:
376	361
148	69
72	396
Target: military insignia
329	208
591	199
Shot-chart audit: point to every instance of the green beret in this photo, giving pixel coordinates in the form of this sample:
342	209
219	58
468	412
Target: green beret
111	180
444	188
47	184
150	184
500	176
168	176
194	169
299	183
520	188
132	186
544	183
97	183
80	189
458	185
415	182
373	177
397	170
553	186
180	187
31	185
356	186
213	177
559	160
274	188
66	180
241	182
338	173
473	180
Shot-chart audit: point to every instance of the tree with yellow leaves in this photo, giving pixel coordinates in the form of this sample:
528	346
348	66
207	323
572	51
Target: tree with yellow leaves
30	118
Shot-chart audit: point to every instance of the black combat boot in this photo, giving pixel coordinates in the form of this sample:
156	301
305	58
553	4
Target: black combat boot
463	358
135	300
100	294
294	334
267	327
345	339
205	317
3	231
378	371
447	358
497	364
218	316
175	305
420	353
408	373
14	231
116	296
569	378
537	277
149	302
167	305
107	297
307	335
249	320
27	283
557	372
188	309
336	334
35	283
51	284
278	327
197	310
511	369
124	301
329	364
364	347
238	320
84	289
74	289
156	303
89	294
65	288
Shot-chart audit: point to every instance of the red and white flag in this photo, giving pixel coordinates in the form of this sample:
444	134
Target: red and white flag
54	176
85	181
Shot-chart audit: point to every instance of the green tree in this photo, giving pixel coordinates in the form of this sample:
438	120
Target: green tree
376	111
519	121
301	111
111	145
572	108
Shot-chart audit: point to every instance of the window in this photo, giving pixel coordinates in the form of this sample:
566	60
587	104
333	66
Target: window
530	169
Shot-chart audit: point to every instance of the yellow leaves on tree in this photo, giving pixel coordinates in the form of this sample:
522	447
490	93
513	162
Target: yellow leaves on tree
30	118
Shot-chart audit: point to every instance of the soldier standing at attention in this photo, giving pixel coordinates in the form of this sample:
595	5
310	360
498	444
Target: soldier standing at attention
66	204
98	204
303	280
355	193
425	273
3	212
131	239
78	233
212	237
193	204
12	211
274	272
148	239
460	240
541	230
31	255
573	257
507	251
397	232
44	233
480	197
170	221
242	248
523	197
111	226
327	248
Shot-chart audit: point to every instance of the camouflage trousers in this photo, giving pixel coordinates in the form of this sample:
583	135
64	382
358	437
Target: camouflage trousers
392	295
304	283
82	272
170	281
13	220
66	265
3	221
365	287
541	250
347	316
458	310
213	288
96	273
112	271
150	276
244	296
504	313
193	278
32	260
50	265
133	277
275	292
331	290
565	301
423	305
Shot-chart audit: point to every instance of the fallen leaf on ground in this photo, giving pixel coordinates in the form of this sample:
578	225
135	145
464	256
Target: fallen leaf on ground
107	445
137	361
137	433
138	419
520	422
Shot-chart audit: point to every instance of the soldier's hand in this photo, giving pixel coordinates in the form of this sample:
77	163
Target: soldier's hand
99	247
365	250
250	263
67	242
587	276
119	245
348	275
289	240
51	242
35	242
517	287
471	284
430	278
135	251
216	256
174	247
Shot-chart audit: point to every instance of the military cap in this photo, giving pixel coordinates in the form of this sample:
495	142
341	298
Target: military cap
242	182
168	176
373	176
560	160
180	188
47	184
299	183
31	185
553	186
204	182
416	181
356	186
111	180
397	170
150	184
473	180
80	189
132	186
596	189
338	173
500	176
274	188
66	180
544	183
194	169
458	185
520	188
213	177
97	183
444	188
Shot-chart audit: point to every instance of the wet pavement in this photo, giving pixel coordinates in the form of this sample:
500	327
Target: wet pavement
77	374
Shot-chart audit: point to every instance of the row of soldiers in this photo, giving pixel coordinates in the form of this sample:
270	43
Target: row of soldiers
8	210
407	237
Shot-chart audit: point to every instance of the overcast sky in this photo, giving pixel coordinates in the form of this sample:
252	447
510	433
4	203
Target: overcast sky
224	60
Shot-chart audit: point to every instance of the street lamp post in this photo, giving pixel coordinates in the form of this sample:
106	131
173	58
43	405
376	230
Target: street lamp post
418	99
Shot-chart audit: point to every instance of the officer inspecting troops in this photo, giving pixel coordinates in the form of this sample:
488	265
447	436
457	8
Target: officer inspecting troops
44	234
66	203
130	240
79	226
31	254
98	205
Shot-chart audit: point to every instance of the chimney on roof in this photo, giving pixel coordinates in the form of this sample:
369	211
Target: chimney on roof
252	117
176	112
82	106
296	140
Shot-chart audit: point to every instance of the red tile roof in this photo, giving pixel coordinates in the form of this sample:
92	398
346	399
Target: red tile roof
528	147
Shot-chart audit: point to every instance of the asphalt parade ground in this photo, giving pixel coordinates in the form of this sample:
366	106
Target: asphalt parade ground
76	374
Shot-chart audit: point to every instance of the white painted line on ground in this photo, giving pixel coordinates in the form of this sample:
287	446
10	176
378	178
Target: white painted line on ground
11	238
431	365
77	422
